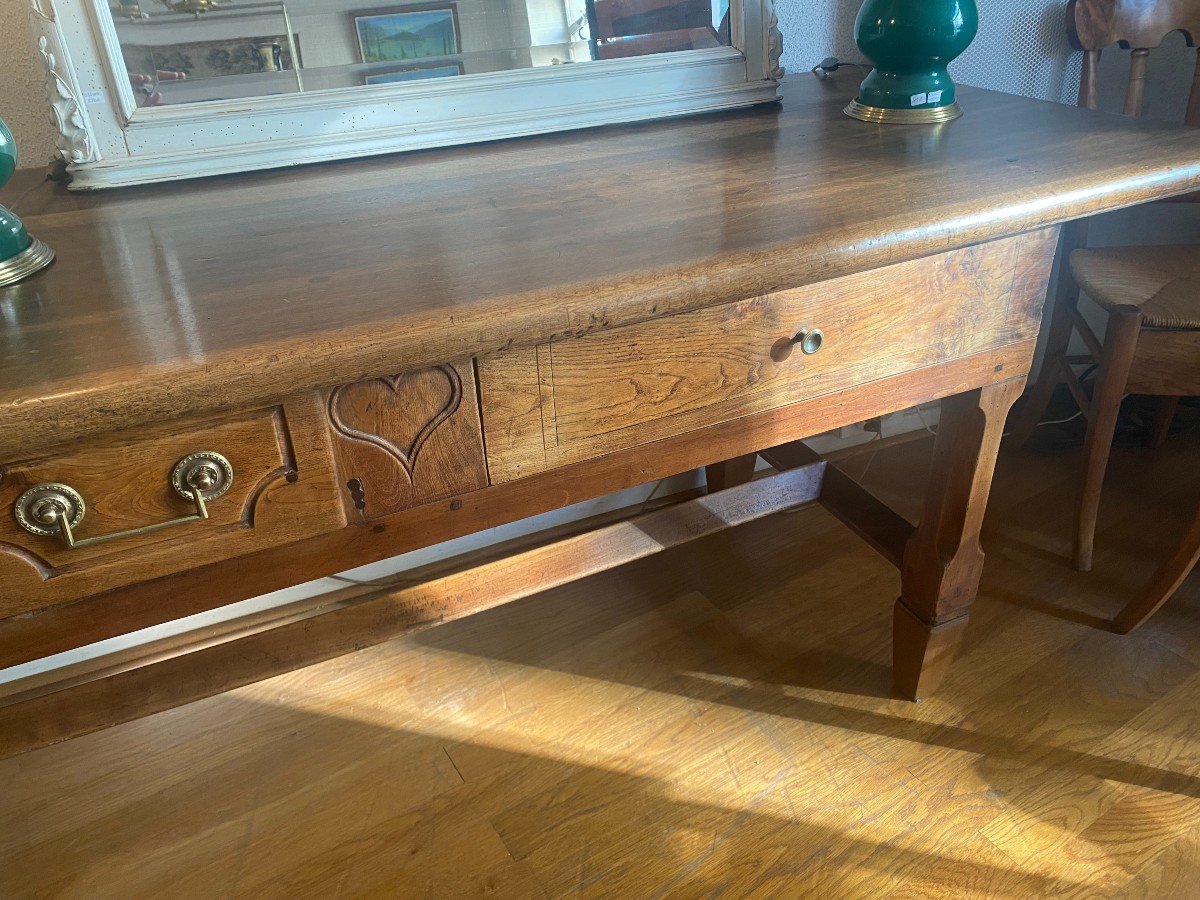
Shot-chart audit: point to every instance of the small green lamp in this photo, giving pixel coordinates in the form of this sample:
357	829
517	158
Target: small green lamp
911	42
20	255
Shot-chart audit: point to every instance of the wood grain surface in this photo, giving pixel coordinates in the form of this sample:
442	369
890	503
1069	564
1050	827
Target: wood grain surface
127	484
406	439
240	290
246	570
283	490
399	605
579	398
713	721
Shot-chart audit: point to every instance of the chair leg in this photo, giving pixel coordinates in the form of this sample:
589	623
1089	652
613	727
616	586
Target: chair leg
1064	302
1120	340
1162	421
1164	583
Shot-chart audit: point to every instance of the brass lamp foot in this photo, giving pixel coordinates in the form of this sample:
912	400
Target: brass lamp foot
32	259
924	116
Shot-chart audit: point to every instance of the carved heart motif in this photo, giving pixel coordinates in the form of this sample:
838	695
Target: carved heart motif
397	414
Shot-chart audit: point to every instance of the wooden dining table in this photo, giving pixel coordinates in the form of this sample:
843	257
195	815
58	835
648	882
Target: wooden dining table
225	387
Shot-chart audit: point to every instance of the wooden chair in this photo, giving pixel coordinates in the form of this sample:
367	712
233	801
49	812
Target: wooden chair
1152	295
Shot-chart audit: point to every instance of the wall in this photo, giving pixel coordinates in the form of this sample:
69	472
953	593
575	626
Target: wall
23	104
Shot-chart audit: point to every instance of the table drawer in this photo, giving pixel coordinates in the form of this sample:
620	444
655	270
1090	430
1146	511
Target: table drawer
406	439
582	397
137	525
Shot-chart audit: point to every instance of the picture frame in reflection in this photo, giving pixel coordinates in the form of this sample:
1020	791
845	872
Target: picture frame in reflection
210	58
414	73
405	33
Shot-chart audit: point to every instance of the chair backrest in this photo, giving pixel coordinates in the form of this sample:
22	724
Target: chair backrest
1137	25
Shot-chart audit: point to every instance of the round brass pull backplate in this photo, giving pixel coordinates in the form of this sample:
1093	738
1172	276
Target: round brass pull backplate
206	471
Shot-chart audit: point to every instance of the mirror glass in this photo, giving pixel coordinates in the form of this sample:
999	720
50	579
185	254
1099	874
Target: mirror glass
189	51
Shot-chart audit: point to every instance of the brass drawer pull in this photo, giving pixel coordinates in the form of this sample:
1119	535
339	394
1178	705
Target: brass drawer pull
51	509
810	340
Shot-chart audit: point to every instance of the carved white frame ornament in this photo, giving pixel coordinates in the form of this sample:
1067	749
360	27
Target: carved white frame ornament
774	46
108	141
74	143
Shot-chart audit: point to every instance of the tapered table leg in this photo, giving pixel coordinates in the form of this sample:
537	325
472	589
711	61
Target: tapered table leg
730	473
939	575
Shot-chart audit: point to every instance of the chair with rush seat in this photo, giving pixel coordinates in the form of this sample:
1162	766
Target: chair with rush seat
1151	344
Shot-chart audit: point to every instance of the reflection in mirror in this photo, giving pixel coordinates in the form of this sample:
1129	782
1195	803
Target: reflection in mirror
186	51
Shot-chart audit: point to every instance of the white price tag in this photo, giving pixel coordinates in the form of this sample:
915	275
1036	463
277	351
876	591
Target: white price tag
918	99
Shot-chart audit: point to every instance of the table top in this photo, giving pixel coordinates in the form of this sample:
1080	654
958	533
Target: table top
172	300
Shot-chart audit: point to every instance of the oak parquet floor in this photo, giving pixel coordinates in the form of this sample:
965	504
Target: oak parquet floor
714	721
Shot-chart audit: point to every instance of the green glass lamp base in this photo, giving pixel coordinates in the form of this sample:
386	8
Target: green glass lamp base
923	116
910	43
20	254
32	259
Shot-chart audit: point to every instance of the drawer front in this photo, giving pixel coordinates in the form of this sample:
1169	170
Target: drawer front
282	489
579	398
406	439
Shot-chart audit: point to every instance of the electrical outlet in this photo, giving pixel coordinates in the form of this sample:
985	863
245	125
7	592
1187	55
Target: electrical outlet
874	426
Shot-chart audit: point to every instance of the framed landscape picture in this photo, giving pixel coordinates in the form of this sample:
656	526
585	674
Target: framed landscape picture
404	33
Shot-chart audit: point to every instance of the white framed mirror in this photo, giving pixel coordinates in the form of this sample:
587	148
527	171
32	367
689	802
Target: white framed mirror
159	90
